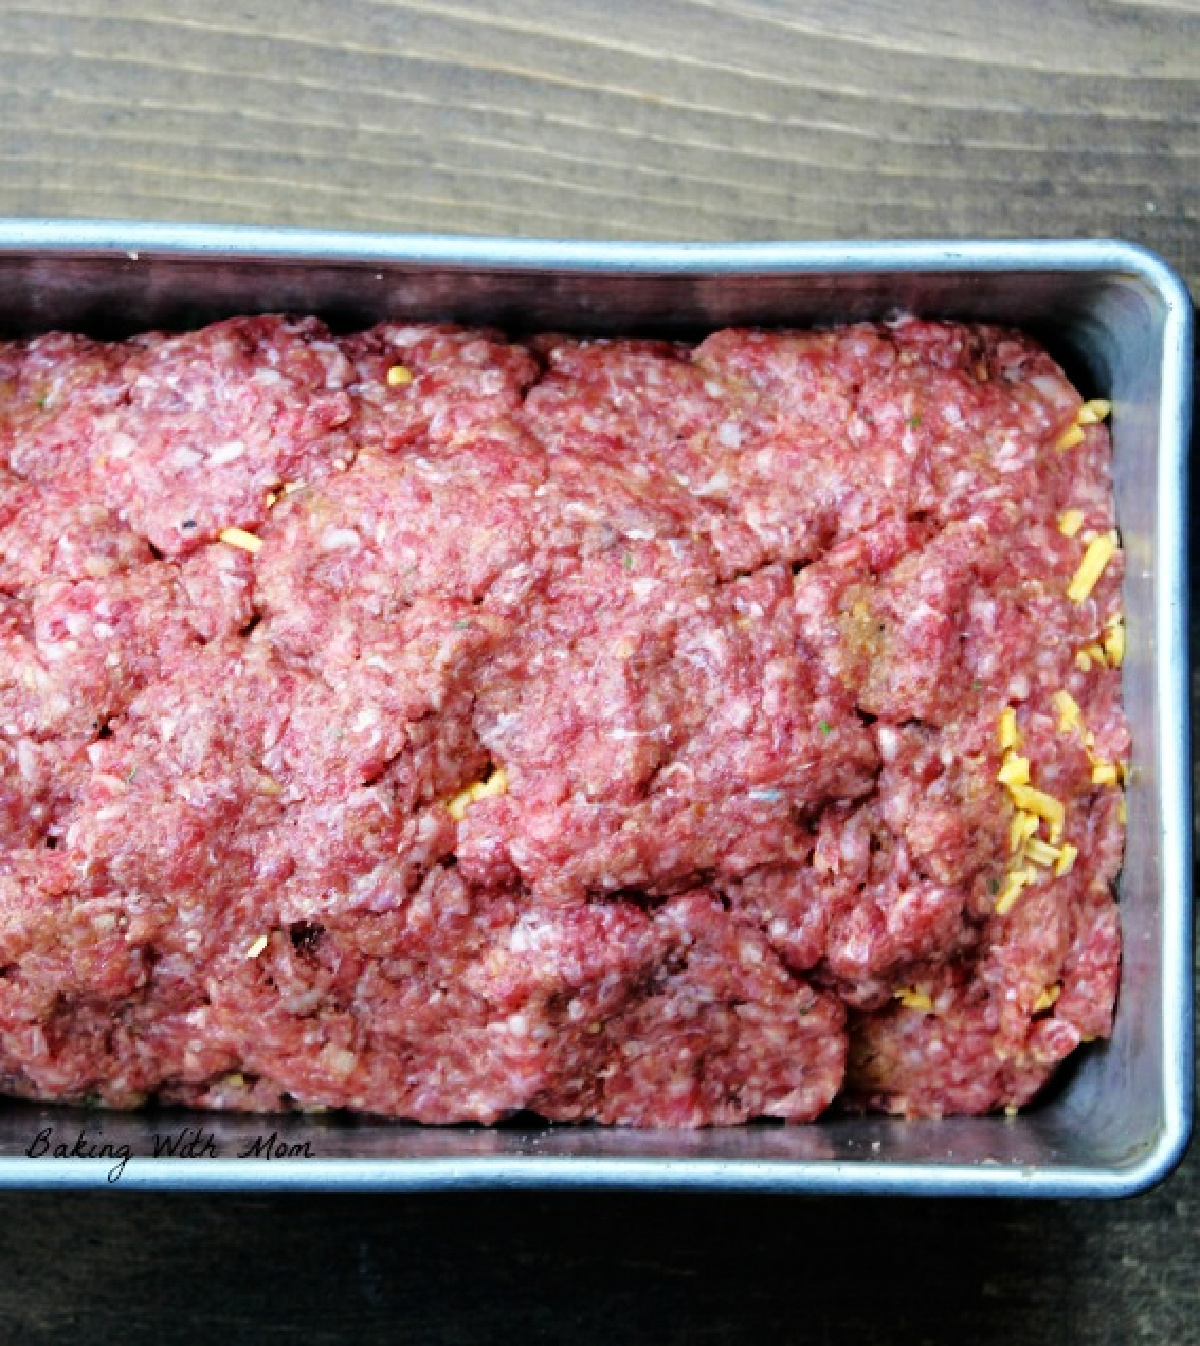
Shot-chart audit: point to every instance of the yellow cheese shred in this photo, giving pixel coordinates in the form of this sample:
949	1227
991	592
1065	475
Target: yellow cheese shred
1041	853
1099	553
1010	735
1014	770
1069	715
496	784
1066	859
912	998
1093	412
1047	998
1024	826
238	537
1014	881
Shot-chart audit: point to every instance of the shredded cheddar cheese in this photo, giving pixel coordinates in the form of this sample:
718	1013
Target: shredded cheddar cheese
238	537
1041	853
1014	881
398	376
1047	998
1114	642
1010	736
1099	552
1070	522
1069	716
1104	773
1070	437
912	998
496	784
1014	770
1024	826
1066	859
1093	412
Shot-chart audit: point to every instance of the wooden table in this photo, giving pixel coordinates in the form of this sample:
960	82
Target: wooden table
685	118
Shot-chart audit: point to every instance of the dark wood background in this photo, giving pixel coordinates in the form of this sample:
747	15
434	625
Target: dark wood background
681	119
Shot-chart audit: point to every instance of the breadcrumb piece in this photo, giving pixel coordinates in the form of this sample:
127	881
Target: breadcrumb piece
258	946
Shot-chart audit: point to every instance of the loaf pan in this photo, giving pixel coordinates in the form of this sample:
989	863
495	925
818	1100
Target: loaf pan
1118	319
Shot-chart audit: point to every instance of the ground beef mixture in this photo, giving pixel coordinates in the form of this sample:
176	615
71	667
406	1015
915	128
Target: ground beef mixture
435	725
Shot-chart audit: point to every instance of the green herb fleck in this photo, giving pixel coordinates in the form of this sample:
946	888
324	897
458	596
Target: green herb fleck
825	727
976	685
628	561
993	886
913	422
462	626
43	402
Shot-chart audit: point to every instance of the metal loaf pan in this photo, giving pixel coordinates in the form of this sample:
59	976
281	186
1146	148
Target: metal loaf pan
1116	316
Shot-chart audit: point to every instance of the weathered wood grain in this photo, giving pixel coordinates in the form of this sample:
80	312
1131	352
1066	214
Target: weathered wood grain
692	118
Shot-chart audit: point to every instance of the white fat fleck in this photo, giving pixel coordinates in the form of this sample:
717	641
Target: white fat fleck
1049	386
889	742
166	730
575	1011
643	587
518	1025
368	716
718	482
1018	688
102	630
121	445
76	623
340	539
184	458
26	759
713	389
640	534
229	452
730	434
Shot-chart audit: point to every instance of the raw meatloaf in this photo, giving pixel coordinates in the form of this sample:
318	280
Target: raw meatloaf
440	726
